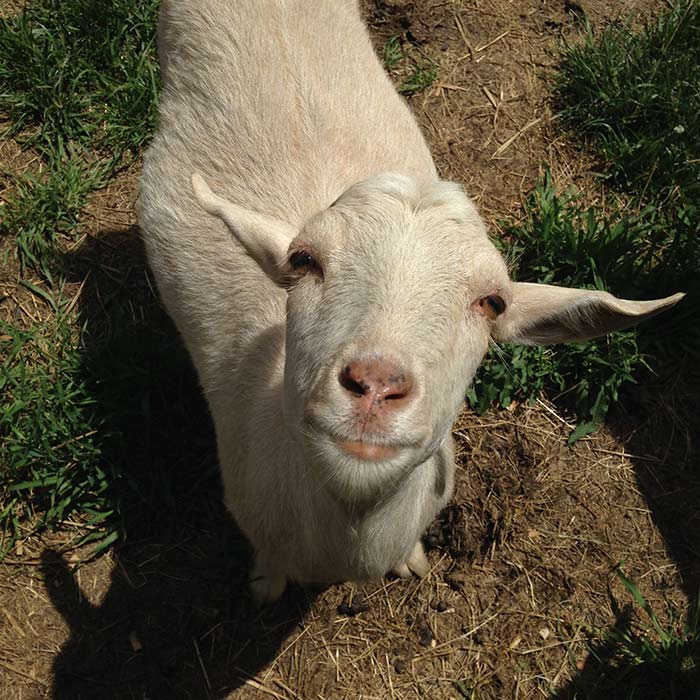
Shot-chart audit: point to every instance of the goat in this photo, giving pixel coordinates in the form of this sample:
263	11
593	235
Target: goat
335	295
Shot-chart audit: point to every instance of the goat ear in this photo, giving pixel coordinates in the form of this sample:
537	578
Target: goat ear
264	238
542	314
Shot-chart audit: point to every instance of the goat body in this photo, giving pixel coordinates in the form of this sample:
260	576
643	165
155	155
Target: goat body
340	298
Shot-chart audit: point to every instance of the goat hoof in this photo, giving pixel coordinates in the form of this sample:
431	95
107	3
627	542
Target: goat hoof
266	588
402	571
417	563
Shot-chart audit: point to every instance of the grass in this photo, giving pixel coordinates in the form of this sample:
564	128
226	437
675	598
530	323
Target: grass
85	100
634	660
88	77
44	207
635	99
49	451
561	241
99	409
635	96
411	73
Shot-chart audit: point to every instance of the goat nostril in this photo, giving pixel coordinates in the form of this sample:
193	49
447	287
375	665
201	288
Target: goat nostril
350	384
381	381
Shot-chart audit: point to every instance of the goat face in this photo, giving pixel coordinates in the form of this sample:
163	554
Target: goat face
392	291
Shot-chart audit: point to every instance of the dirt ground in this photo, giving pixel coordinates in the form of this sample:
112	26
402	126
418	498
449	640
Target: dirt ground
522	561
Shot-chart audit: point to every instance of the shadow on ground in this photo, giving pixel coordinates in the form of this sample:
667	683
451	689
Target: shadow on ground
660	427
611	671
177	620
658	421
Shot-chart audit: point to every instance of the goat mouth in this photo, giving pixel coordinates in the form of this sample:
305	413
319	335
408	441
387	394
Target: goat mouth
362	447
366	450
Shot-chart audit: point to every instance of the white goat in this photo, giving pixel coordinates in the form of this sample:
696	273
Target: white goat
339	300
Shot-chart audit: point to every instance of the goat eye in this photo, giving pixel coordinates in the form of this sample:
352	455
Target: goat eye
303	261
491	306
496	304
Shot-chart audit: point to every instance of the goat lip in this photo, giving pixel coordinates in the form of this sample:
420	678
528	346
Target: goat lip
366	450
366	447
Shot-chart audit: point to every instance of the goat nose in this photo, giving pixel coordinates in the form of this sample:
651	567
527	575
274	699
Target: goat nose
376	381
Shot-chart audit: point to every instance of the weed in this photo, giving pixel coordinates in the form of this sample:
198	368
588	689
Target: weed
411	75
393	54
422	76
464	690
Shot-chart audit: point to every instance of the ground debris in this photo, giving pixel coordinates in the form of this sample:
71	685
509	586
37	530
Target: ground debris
354	605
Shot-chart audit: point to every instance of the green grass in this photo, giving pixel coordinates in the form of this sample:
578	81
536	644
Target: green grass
635	100
85	100
88	74
641	658
49	449
101	420
411	73
636	97
45	207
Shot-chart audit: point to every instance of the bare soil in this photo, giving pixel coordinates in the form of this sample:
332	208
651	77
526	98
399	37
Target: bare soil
522	560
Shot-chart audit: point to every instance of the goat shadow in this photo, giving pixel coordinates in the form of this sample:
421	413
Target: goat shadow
177	620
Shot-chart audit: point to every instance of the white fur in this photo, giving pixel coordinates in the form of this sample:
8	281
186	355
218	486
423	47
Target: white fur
282	107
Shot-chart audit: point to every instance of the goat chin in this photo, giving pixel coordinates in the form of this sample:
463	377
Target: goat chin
359	481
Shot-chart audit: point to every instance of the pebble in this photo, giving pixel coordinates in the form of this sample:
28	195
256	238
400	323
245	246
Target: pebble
356	606
453	582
